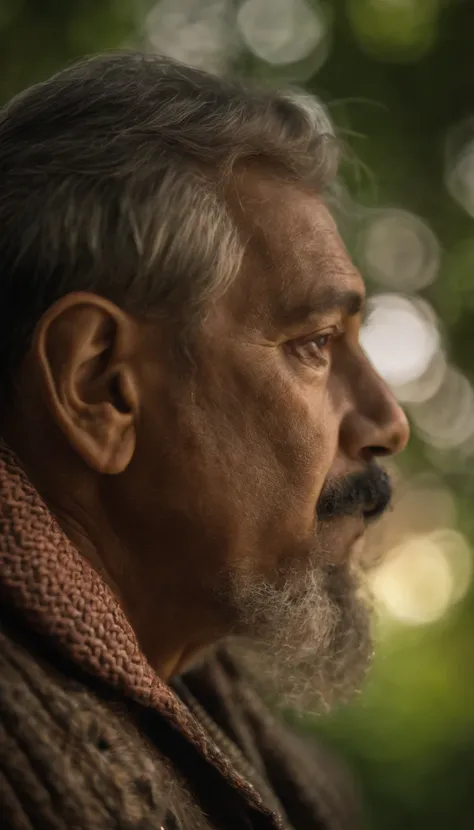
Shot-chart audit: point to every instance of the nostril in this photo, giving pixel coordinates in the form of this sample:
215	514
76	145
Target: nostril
379	451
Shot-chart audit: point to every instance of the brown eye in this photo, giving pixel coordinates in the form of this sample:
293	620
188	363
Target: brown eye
314	349
322	340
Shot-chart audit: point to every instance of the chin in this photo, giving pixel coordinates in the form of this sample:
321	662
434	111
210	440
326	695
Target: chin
306	637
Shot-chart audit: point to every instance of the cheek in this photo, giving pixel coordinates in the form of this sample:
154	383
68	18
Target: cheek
246	443
305	420
312	439
288	428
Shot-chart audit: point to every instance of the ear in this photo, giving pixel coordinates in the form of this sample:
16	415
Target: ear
85	347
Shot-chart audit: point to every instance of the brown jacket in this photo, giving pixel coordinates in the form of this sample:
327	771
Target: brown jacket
90	738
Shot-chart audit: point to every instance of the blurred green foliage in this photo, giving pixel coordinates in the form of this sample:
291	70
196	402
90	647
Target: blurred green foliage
398	77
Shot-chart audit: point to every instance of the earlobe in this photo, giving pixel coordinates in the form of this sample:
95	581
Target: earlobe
85	349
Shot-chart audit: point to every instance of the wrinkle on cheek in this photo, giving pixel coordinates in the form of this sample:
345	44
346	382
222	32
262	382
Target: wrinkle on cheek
331	418
266	420
327	440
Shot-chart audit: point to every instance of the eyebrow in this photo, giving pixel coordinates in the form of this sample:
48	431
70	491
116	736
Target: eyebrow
322	302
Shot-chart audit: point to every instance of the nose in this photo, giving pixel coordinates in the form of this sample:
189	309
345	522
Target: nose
374	424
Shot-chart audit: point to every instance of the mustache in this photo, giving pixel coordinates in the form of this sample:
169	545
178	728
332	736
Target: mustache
368	492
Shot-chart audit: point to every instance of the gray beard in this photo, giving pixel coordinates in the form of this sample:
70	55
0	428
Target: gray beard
306	642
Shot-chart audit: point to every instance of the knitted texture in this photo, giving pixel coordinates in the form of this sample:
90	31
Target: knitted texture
89	735
65	598
66	761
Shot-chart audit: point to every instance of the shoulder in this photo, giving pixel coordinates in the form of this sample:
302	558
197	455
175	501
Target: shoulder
68	759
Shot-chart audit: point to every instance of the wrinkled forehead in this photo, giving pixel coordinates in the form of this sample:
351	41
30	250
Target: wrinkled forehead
292	245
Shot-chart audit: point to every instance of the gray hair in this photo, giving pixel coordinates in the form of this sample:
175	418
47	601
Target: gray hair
111	178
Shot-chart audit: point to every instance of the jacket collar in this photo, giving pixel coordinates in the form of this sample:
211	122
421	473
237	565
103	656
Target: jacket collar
60	595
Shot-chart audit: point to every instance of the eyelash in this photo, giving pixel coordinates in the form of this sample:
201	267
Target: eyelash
320	355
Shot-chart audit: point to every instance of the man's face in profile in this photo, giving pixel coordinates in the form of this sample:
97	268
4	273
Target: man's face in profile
268	473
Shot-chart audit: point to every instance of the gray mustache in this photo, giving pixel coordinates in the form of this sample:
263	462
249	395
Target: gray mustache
367	493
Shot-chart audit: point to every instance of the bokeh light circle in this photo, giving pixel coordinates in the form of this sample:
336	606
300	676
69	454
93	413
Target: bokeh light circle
459	164
415	585
197	32
399	250
283	31
401	337
447	419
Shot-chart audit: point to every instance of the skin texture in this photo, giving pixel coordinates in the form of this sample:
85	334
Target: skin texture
171	481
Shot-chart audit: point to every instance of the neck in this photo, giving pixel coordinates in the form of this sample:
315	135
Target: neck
161	626
166	619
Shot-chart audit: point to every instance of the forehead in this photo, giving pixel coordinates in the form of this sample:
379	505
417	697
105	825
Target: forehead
294	253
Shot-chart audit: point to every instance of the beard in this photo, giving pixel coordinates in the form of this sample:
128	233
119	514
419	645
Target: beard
306	641
303	635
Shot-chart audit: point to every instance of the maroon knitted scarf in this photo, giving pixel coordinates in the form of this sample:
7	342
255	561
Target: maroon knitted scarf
62	597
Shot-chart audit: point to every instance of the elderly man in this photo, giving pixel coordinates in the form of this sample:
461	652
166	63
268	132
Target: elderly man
190	434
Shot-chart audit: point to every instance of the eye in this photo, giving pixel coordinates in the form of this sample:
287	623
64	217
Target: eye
315	349
321	340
